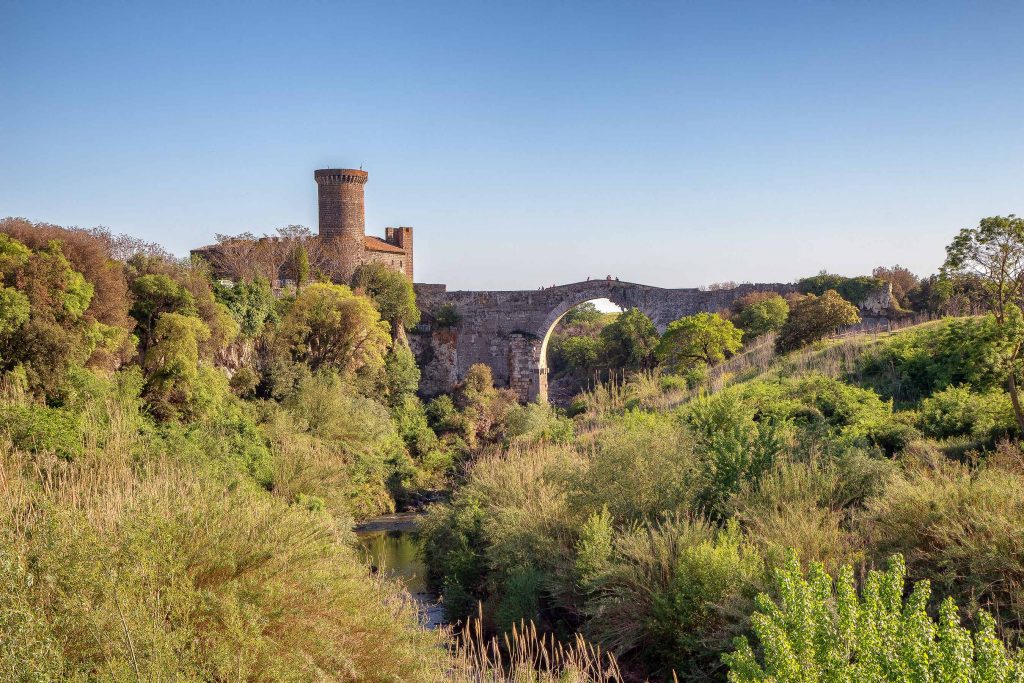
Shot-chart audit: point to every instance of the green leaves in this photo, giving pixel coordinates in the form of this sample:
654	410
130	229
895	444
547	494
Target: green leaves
704	338
820	630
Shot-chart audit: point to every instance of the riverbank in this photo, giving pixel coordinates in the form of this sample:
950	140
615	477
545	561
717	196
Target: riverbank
388	544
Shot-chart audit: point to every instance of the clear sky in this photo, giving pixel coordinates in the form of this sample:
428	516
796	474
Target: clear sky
529	143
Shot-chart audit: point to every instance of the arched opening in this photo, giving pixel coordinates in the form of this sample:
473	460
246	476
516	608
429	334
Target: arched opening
570	352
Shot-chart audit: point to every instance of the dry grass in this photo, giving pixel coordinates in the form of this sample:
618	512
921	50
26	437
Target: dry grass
527	656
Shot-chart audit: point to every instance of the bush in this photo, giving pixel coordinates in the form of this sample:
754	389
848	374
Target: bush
249	588
916	363
447	316
667	594
820	630
733	448
956	411
39	429
812	318
959	529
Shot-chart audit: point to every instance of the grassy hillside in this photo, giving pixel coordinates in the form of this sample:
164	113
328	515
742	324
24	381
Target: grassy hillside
652	533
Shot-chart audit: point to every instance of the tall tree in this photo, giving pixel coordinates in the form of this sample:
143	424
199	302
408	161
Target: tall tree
330	327
629	342
390	291
992	254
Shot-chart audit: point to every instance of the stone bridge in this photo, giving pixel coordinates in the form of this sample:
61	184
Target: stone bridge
509	330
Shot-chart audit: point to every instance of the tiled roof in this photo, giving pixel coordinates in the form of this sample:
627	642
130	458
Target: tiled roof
377	244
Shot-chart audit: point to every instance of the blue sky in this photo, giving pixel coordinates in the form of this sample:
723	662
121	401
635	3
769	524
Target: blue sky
674	144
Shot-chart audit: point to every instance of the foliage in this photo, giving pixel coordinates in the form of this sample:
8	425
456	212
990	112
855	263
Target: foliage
703	338
401	374
330	327
174	378
956	411
155	295
251	304
447	316
905	285
853	289
629	342
823	630
661	597
763	316
918	362
41	429
390	290
814	317
993	255
961	529
735	449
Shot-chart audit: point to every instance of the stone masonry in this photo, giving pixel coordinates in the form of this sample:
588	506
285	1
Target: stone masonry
509	330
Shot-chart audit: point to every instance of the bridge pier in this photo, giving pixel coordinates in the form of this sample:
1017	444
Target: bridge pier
526	374
506	330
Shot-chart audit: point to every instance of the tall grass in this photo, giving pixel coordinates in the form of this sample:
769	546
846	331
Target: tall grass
524	655
129	563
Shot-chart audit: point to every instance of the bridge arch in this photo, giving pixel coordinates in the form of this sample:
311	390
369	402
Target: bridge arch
573	300
510	330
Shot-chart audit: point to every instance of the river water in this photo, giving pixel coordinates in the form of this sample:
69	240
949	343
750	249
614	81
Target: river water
389	544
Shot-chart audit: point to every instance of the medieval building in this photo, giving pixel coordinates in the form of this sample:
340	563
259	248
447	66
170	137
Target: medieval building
340	246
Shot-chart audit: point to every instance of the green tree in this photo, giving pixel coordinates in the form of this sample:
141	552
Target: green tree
156	294
821	630
704	338
629	342
14	310
761	317
580	355
854	289
328	326
172	363
390	291
584	314
993	255
301	263
251	304
814	317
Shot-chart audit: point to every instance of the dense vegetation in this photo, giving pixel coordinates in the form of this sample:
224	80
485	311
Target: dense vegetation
182	460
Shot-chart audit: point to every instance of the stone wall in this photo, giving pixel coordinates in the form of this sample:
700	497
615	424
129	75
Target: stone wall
509	330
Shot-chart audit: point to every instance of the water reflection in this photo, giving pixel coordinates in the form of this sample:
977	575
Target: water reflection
396	553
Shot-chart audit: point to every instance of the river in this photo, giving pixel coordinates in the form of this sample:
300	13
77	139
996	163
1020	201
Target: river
389	544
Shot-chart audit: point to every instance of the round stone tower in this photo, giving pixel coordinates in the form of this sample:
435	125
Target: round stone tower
342	216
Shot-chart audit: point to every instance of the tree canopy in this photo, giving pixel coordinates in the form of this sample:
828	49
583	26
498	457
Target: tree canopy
391	291
704	338
328	326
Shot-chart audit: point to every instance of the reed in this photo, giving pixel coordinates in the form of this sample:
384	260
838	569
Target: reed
525	655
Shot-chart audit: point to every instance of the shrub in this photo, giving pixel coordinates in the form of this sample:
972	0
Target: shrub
244	382
39	429
447	316
820	630
667	594
915	363
733	448
762	316
812	318
956	411
959	529
641	467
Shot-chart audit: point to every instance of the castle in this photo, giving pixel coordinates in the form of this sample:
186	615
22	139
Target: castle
343	218
338	249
